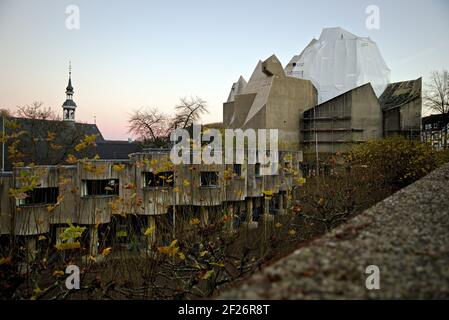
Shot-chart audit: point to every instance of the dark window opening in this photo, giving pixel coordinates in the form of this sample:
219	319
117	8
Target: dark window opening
209	179
257	169
40	196
161	179
106	187
237	170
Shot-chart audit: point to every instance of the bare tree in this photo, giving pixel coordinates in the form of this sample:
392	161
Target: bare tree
5	112
149	124
36	111
436	96
189	111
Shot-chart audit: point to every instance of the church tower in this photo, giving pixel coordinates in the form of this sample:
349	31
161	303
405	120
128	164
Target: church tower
69	105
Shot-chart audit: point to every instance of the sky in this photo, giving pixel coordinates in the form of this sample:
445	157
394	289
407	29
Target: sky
129	55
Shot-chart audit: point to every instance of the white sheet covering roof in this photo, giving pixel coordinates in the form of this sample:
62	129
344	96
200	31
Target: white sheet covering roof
340	61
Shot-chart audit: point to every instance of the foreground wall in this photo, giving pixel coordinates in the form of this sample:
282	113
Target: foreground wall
404	235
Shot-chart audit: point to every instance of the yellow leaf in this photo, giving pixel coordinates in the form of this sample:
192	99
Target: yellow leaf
40	238
292	232
203	253
118	167
181	256
58	273
106	251
208	274
301	181
194	221
173	243
5	260
149	231
217	264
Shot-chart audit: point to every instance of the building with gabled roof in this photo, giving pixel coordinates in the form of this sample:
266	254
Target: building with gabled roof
401	104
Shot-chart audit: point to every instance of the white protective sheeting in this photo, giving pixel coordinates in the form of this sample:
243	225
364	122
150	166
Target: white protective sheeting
340	61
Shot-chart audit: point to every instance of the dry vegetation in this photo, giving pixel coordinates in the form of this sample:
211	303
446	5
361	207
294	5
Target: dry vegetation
196	260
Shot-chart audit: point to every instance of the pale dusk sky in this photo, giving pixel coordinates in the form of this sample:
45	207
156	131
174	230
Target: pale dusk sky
128	55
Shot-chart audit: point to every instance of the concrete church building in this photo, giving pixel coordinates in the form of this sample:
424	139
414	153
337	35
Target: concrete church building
309	118
337	92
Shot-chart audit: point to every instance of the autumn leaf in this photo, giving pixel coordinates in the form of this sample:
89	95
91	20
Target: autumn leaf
268	194
50	136
5	260
149	231
106	251
301	181
118	167
208	274
194	221
58	273
56	146
41	237
217	264
129	186
71	159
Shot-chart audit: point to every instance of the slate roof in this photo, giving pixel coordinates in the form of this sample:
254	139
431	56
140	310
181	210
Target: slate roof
110	149
69	103
68	135
400	93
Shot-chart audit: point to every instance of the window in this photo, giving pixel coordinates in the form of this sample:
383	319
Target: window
257	169
160	179
237	170
40	196
209	178
106	187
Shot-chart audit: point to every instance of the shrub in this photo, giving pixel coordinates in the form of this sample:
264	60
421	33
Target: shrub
398	161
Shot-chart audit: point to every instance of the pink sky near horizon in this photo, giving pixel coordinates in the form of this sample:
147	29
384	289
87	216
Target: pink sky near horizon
131	55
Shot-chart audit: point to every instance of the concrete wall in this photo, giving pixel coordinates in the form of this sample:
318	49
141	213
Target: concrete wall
271	100
352	117
134	197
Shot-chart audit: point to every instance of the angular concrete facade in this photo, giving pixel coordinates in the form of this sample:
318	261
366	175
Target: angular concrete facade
271	100
333	126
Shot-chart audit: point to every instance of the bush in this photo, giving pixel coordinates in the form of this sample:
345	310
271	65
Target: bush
398	161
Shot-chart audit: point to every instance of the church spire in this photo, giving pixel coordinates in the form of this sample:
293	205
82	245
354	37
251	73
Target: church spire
69	105
69	87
